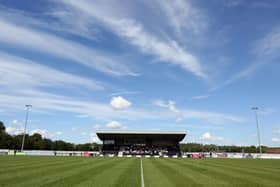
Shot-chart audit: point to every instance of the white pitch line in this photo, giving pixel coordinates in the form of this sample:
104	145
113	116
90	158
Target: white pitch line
142	175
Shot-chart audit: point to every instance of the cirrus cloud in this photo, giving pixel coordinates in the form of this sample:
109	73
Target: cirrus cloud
135	33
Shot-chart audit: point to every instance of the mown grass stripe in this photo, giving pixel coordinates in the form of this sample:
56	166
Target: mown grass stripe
254	173
129	175
55	173
18	161
248	165
176	177
31	165
27	175
154	176
77	176
201	175
232	177
124	174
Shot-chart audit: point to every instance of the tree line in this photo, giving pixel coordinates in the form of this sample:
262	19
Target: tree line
196	147
37	142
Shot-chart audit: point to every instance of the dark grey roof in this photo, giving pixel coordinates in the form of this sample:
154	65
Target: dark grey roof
175	135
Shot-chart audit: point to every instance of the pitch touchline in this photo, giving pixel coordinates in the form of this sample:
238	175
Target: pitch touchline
142	175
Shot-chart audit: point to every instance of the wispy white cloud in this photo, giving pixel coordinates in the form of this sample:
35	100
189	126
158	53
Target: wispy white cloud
82	116
124	93
134	33
199	97
211	117
181	114
42	101
36	20
34	40
233	3
168	52
250	4
169	104
47	102
244	73
265	51
160	103
16	72
269	45
264	5
183	15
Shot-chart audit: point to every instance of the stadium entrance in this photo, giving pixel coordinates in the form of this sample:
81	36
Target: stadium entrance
141	142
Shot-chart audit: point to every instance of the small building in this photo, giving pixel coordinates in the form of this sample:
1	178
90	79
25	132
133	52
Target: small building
141	142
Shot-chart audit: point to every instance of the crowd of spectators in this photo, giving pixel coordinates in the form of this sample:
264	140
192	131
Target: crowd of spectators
150	150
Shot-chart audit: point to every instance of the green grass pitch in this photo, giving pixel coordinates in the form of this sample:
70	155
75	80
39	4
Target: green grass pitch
162	172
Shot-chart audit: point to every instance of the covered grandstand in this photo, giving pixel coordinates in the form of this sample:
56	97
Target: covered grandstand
141	142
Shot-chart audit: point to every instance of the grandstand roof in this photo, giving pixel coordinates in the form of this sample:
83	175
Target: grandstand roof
175	135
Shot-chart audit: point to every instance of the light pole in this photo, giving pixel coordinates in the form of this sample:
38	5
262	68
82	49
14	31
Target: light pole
26	120
255	109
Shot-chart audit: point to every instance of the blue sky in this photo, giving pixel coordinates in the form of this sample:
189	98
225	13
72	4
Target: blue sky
142	65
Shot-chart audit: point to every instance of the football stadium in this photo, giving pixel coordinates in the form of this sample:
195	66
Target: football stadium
139	93
138	158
